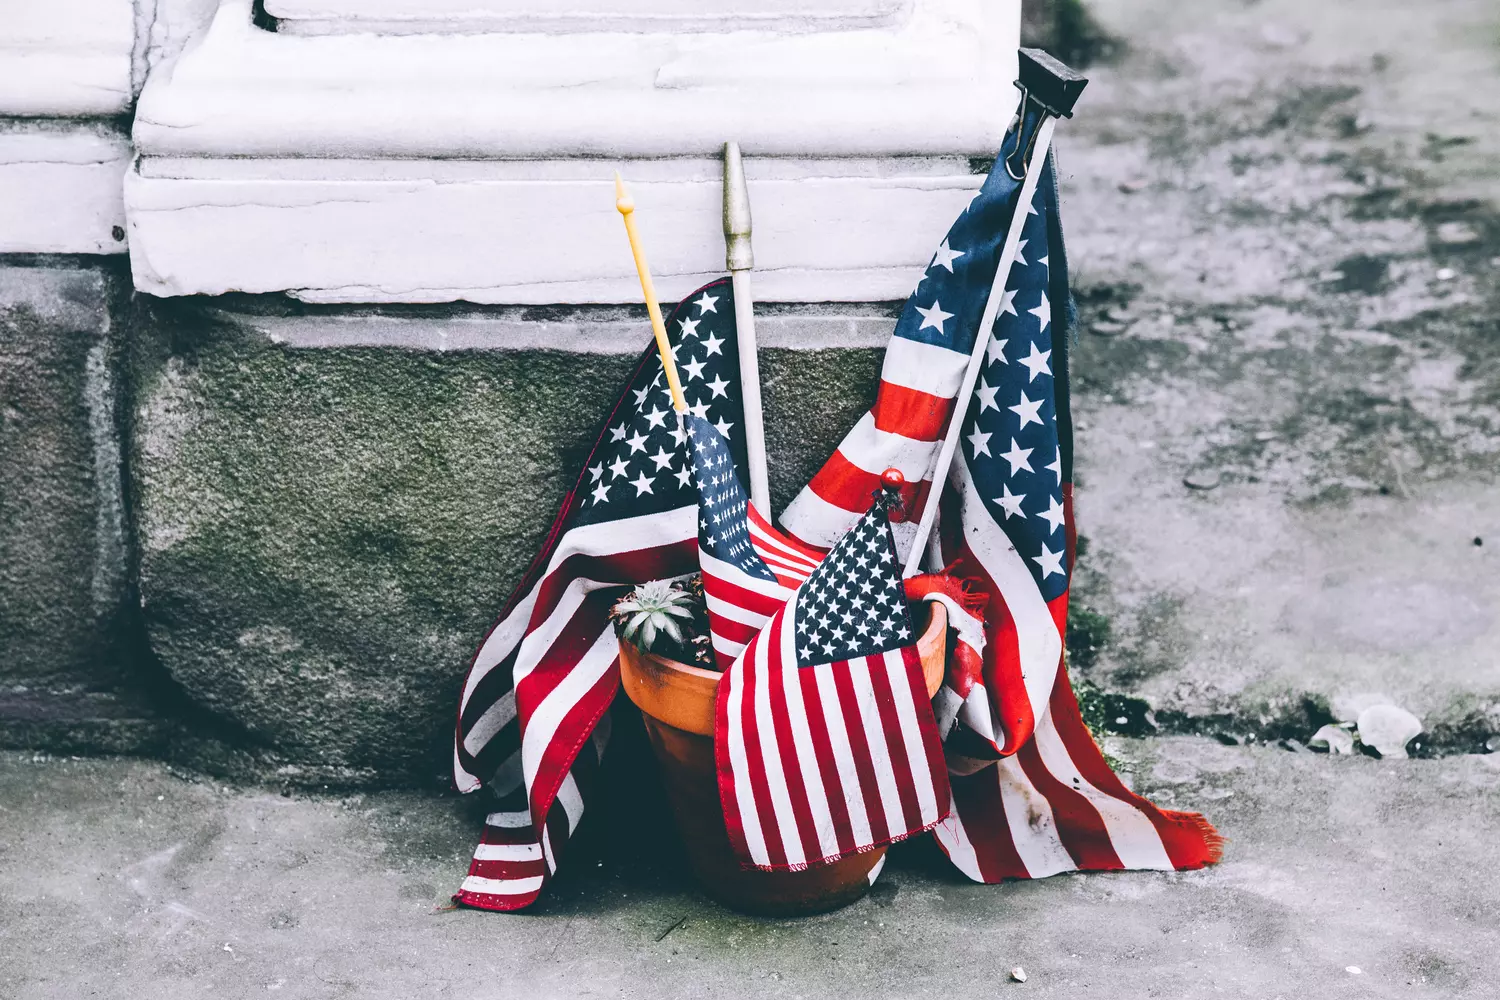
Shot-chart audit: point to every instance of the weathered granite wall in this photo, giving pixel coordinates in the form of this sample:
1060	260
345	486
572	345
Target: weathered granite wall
327	526
70	657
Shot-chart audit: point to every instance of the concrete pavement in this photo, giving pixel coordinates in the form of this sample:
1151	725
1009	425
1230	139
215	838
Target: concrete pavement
123	878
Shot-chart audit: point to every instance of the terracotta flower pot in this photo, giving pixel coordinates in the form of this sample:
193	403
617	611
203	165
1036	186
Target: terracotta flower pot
677	704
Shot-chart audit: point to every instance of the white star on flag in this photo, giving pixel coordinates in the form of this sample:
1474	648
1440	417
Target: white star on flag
1007	303
1018	457
1051	562
980	442
1043	311
1036	361
1055	466
996	351
934	317
642	484
706	303
712	344
945	257
1027	409
1011	502
1053	515
986	394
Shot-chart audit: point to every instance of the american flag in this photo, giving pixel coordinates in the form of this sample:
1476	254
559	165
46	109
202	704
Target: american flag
1050	802
919	381
824	735
749	568
532	721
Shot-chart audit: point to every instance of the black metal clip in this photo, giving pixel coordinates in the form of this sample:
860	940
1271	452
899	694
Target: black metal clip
1048	87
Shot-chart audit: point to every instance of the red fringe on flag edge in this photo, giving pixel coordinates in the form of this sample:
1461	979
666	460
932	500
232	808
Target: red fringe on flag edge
963	590
1213	840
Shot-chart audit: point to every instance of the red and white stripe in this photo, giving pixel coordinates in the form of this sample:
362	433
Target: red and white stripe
1050	803
903	430
538	692
821	762
739	605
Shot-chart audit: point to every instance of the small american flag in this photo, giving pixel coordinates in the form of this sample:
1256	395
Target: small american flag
824	736
749	568
532	721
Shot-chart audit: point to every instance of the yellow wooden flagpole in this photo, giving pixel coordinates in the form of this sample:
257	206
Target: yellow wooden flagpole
626	206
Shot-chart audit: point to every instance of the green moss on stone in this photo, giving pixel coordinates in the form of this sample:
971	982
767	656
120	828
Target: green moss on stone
327	534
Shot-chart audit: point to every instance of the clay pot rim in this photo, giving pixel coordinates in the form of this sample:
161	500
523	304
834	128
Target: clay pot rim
682	695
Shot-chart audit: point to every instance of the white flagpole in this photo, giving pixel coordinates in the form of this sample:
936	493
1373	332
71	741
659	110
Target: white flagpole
981	339
740	260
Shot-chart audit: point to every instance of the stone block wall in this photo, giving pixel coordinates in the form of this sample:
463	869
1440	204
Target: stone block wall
272	535
69	671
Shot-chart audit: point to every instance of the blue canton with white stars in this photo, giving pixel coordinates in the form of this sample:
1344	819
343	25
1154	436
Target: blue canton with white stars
1009	436
948	301
854	604
723	509
642	464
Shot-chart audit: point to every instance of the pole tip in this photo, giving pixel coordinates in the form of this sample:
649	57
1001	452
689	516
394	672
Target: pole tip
623	202
892	479
738	255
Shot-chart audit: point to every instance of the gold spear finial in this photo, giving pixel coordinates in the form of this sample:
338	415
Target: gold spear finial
626	206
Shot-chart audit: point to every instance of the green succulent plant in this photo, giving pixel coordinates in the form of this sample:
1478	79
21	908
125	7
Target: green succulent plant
652	610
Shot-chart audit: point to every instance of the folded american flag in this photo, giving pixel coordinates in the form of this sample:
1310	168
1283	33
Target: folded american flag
1049	802
824	735
749	568
532	724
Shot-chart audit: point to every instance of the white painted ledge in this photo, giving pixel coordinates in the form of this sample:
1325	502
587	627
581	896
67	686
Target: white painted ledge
937	83
66	58
356	167
321	17
535	232
60	188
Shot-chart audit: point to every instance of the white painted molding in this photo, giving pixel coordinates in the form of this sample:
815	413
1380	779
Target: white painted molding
67	58
60	188
321	17
357	167
936	83
534	232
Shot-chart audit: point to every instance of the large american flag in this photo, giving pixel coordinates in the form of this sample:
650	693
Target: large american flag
824	735
1049	802
749	568
920	379
532	721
